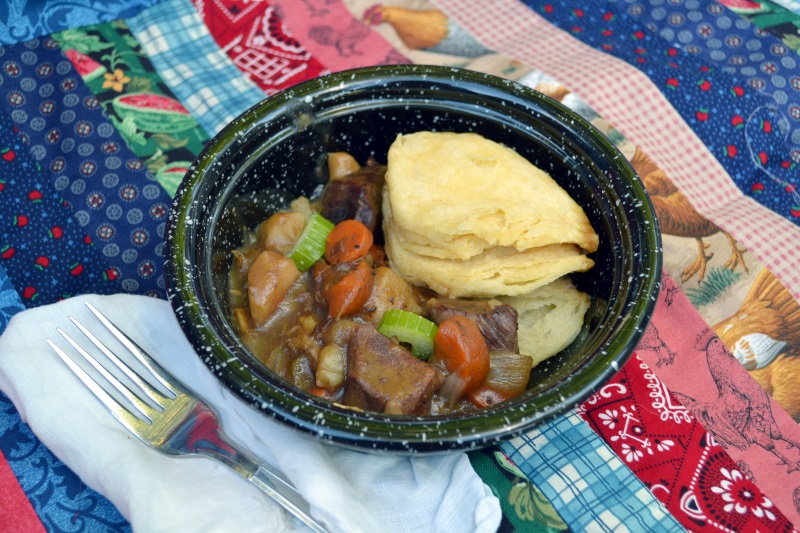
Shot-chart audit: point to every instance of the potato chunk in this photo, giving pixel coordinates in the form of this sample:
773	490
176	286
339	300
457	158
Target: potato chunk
268	281
280	232
331	367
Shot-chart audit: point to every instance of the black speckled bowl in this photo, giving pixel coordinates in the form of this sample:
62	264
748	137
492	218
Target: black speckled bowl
273	153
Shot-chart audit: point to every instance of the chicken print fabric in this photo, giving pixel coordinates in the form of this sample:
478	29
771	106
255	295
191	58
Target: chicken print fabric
718	392
426	35
764	336
334	37
696	250
681	462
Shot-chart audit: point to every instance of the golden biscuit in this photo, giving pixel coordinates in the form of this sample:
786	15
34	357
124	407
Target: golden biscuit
496	271
550	318
463	194
469	217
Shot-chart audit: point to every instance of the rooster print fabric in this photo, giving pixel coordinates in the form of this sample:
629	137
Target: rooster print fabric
678	459
712	267
426	35
718	393
726	113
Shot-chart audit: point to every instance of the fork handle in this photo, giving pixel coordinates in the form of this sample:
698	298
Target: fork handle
204	436
263	477
272	484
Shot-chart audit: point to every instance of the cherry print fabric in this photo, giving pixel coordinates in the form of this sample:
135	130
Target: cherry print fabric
113	196
45	253
722	110
736	46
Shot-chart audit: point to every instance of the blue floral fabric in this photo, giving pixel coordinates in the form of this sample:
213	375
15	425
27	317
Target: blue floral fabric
10	304
58	496
745	130
22	20
115	199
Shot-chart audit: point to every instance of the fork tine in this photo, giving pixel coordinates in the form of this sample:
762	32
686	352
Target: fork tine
117	409
153	367
142	407
145	387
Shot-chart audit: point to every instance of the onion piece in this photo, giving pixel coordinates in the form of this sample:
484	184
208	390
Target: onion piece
508	377
453	387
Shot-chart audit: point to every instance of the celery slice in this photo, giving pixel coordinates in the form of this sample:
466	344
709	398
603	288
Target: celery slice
409	328
311	244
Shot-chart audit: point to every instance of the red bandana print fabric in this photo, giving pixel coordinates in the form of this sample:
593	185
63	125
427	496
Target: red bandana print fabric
254	37
681	463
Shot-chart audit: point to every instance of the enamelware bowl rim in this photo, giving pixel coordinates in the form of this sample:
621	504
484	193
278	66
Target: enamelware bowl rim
343	426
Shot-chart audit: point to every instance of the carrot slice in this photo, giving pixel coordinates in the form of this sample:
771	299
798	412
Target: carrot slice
349	241
348	295
460	347
376	256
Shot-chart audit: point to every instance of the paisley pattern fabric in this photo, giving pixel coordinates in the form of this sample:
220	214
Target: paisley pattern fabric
10	303
681	463
61	500
258	43
115	198
23	20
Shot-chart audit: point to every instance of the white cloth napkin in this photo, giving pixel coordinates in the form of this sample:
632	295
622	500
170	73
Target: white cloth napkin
349	491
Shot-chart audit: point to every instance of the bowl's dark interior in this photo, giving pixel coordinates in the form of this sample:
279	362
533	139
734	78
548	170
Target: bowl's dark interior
277	152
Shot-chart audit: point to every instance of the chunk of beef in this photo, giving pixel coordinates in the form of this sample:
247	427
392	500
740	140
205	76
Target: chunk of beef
356	196
383	376
497	321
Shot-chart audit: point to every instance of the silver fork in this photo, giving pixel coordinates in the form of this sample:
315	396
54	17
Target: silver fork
174	421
